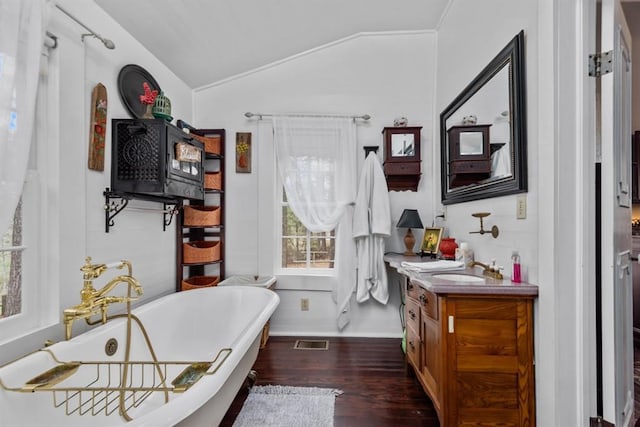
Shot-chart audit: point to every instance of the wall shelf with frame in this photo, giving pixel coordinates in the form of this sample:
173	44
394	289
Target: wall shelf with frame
154	161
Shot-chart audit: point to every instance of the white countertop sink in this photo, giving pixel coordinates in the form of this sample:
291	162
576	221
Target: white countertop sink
459	278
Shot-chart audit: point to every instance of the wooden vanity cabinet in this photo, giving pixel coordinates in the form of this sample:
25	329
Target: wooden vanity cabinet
476	356
423	327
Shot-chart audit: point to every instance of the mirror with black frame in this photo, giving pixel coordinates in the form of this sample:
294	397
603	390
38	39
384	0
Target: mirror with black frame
483	132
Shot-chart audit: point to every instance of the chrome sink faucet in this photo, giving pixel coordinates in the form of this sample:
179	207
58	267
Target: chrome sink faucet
94	302
492	270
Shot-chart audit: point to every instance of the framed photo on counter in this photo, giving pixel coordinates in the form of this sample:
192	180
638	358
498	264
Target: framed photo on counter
431	240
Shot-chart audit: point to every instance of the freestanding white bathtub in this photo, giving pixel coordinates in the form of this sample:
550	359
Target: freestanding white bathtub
192	326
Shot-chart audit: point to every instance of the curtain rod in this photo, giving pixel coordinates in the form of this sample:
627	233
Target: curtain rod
261	115
106	42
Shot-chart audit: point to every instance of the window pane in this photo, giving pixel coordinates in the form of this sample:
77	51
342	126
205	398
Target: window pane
323	234
291	225
302	250
322	251
11	268
294	252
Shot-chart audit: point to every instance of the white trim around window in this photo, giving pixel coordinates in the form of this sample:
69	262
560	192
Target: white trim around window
40	207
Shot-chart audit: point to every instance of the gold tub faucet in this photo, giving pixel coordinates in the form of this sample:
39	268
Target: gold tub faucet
94	302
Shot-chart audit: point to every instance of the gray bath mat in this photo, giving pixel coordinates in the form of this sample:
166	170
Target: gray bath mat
283	406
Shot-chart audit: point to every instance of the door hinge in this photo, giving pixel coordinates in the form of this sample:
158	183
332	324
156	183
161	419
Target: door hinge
600	63
599	422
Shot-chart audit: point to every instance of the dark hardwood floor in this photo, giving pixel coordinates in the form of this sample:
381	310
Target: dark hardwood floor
378	391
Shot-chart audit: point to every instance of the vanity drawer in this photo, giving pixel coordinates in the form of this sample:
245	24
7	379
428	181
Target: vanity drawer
413	314
429	303
404	168
413	290
413	346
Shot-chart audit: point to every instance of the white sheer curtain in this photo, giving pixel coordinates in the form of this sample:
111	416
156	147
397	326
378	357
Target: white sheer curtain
317	164
22	30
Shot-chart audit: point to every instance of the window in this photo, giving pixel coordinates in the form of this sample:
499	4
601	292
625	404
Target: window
316	166
28	284
26	306
303	251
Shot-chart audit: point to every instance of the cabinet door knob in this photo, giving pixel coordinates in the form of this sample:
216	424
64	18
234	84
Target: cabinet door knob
412	314
423	299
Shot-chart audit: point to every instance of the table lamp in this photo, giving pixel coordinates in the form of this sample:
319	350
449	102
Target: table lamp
409	219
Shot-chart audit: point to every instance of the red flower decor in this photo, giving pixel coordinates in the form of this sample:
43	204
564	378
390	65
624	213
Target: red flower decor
149	95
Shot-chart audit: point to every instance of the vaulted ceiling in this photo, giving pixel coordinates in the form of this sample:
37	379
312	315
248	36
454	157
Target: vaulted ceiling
205	41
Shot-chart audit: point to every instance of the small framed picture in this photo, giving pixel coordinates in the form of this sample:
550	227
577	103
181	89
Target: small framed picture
243	152
431	240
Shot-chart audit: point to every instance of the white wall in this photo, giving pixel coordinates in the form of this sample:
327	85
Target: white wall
460	58
555	240
136	236
385	75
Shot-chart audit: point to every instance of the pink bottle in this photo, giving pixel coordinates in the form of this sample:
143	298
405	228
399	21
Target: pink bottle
515	273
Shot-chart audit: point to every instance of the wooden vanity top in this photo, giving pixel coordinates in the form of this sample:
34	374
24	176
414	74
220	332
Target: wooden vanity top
437	285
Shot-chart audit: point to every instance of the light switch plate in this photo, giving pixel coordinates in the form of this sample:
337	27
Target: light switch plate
521	207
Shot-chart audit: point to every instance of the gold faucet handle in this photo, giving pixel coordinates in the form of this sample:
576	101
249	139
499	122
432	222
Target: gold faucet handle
122	264
498	270
494	270
92	271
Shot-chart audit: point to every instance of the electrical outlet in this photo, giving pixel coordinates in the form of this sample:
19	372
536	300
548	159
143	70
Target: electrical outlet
521	207
304	304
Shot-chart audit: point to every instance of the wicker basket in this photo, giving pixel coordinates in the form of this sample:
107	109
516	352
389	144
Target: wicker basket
201	216
213	181
197	282
200	251
211	143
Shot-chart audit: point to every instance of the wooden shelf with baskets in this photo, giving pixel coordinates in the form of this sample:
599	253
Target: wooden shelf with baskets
200	228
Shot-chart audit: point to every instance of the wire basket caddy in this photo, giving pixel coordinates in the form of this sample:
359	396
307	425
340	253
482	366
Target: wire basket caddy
109	387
